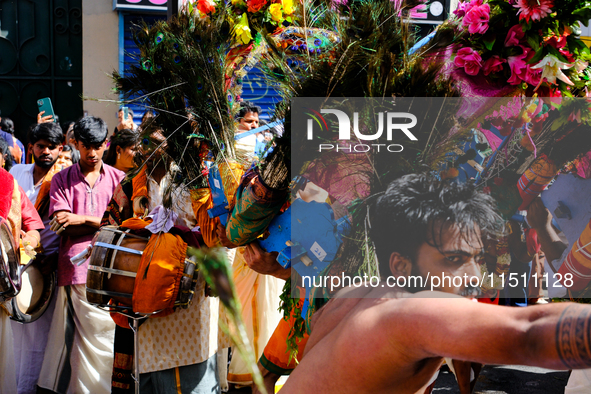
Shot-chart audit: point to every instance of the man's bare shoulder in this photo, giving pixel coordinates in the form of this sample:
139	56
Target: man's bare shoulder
381	306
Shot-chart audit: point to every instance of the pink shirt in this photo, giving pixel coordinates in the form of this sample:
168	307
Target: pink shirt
71	192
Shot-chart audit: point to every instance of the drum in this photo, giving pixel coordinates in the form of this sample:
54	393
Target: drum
34	296
115	256
10	273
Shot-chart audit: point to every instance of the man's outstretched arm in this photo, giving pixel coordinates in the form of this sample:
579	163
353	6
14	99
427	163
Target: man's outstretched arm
556	336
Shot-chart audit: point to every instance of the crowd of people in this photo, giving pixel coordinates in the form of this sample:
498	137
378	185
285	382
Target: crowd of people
58	192
74	182
420	226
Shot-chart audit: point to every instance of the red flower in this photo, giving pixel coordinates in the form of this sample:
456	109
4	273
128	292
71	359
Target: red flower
493	65
469	59
557	42
206	6
534	9
255	5
569	56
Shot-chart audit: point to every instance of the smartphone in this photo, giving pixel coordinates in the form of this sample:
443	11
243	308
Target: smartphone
125	113
44	104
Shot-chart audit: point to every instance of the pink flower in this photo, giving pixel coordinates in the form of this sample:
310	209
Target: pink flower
461	10
469	59
476	18
514	36
493	65
534	9
520	70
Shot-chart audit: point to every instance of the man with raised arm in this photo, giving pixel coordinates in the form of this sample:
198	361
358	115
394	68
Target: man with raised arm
392	340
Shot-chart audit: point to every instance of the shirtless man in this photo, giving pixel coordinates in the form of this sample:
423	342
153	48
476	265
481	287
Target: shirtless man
393	340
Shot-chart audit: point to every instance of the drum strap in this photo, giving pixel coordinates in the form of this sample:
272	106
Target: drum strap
120	248
112	271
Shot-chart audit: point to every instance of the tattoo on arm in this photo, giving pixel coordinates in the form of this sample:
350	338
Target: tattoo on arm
573	336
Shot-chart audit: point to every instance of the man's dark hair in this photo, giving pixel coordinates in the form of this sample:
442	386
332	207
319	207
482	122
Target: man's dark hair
413	206
6	124
246	107
5	152
90	131
49	131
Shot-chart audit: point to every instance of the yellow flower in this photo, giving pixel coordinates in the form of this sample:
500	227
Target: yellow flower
242	30
235	2
287	6
275	11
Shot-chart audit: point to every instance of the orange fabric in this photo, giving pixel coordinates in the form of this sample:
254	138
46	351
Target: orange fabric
493	301
136	223
42	202
276	352
231	173
118	318
201	201
140	184
159	274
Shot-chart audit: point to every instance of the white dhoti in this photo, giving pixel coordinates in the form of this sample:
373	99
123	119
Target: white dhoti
79	353
30	341
259	296
7	368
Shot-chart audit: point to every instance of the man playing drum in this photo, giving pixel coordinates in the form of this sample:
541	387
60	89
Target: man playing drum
393	339
178	350
24	222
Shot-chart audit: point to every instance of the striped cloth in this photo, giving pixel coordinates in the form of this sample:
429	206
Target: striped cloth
578	262
535	179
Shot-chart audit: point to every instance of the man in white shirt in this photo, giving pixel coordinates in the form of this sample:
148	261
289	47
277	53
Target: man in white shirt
30	339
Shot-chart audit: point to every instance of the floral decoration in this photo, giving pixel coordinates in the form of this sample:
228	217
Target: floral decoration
533	45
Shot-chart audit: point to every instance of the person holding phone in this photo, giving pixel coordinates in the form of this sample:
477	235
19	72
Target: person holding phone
125	117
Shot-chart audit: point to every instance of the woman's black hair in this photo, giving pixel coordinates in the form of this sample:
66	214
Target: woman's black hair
123	138
6	154
6	124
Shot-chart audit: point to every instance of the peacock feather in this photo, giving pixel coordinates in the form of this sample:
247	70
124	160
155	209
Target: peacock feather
181	75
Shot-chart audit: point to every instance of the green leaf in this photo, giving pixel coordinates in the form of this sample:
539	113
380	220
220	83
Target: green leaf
489	44
553	51
533	41
583	15
540	53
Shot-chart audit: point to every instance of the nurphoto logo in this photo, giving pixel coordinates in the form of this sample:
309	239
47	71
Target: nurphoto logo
395	122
